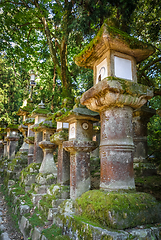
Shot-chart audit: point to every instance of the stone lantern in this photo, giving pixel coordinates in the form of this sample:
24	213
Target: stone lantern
40	114
30	139
48	164
12	139
1	149
80	145
113	56
4	142
61	135
141	117
22	128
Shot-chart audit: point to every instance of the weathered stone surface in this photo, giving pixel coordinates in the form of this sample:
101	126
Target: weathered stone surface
114	99
24	209
141	117
110	38
63	174
25	227
114	92
45	179
77	146
4	236
48	164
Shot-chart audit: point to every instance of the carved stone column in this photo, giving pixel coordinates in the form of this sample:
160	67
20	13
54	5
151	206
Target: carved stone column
80	145
63	176
115	101
141	117
48	164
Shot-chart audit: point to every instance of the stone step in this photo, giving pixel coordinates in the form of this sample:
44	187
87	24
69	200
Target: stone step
51	213
40	189
57	202
35	198
4	236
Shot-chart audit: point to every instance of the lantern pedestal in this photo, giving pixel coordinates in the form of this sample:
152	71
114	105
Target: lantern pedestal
115	101
80	181
63	176
1	149
25	147
48	165
141	117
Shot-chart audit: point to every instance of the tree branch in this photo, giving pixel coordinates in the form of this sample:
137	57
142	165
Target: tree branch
149	65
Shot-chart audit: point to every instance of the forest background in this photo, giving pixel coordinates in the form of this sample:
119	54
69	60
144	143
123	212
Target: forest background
44	36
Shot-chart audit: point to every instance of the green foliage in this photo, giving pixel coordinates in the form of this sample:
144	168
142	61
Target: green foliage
154	138
52	232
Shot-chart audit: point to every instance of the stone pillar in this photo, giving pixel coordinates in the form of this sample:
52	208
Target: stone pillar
63	175
40	114
5	148
30	139
48	164
115	101
116	148
12	143
80	145
25	147
12	140
94	155
141	117
1	149
38	152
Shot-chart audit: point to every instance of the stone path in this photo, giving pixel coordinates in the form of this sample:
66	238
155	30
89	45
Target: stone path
7	227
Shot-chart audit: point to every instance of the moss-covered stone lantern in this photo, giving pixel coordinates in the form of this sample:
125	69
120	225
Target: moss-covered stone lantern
12	139
24	111
40	114
141	117
61	135
113	53
30	138
113	56
79	145
1	148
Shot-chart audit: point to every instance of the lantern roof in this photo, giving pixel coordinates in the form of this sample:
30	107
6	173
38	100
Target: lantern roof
111	38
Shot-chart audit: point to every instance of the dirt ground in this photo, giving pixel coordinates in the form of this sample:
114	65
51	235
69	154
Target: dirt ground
6	222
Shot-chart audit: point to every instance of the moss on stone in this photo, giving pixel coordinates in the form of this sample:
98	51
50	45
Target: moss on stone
40	111
117	210
59	136
13	126
30	138
48	124
32	168
29	121
53	232
114	32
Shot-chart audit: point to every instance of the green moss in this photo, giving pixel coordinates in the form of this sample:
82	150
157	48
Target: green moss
102	208
54	232
32	139
36	219
48	124
41	111
29	121
114	32
59	136
13	126
64	115
33	168
18	190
